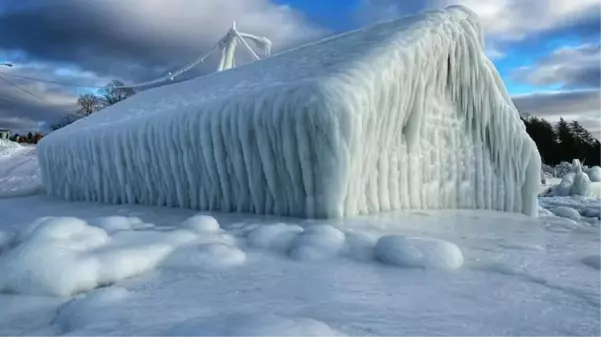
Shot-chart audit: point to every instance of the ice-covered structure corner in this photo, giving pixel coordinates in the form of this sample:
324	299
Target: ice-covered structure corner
405	114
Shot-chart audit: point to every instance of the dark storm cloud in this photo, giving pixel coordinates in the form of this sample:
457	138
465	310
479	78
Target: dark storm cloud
77	34
91	42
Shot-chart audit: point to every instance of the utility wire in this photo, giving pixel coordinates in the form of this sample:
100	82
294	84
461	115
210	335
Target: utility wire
31	94
168	77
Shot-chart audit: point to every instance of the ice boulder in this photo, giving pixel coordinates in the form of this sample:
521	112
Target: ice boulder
418	252
574	183
405	114
594	173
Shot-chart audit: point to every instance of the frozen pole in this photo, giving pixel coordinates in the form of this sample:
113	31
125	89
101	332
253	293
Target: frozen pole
228	44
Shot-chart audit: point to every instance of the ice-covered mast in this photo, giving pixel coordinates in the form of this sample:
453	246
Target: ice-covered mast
231	39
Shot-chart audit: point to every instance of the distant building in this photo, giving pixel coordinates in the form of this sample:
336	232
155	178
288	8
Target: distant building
4	134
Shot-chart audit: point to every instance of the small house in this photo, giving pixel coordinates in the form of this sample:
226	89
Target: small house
4	134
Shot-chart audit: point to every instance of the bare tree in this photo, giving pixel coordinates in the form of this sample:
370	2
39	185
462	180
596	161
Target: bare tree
88	104
112	94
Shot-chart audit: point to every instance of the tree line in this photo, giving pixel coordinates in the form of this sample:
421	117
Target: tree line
90	103
563	141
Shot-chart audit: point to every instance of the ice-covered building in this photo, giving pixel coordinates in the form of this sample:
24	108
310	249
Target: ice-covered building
405	114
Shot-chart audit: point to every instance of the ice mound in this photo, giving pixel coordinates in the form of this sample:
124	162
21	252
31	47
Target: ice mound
574	183
210	256
113	224
317	243
66	256
87	310
418	252
360	245
405	114
594	173
566	212
277	237
251	325
201	224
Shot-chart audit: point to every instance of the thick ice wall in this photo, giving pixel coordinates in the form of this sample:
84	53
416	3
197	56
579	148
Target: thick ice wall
434	126
405	114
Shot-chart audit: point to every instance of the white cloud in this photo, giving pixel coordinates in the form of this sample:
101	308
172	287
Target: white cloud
570	67
195	22
502	19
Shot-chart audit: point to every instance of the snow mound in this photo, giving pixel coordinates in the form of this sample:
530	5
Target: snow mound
87	310
251	325
201	224
317	242
593	261
405	114
8	148
566	212
66	256
210	256
277	237
114	223
20	174
418	252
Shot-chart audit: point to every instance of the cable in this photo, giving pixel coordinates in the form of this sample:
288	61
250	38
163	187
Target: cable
167	77
24	90
32	94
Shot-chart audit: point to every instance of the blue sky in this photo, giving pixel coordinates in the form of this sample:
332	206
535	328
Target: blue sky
547	51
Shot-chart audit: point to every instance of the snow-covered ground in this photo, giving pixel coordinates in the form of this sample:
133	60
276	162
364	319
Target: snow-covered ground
19	170
126	269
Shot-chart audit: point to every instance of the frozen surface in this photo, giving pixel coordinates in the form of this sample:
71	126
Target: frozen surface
19	170
520	275
406	114
251	325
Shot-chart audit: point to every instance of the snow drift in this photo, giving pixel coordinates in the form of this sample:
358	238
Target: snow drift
405	114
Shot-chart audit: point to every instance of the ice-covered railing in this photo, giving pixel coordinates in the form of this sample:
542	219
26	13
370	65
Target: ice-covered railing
406	114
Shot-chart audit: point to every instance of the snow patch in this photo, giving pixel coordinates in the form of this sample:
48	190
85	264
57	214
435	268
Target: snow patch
418	252
251	325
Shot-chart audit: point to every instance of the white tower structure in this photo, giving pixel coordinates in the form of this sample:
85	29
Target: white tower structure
230	41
